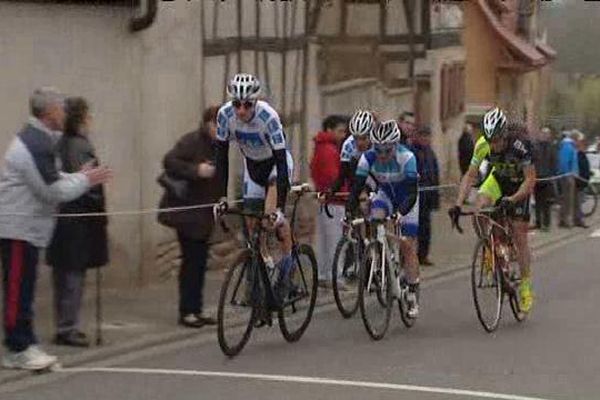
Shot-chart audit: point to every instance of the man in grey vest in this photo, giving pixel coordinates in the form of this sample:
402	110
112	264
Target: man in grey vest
30	190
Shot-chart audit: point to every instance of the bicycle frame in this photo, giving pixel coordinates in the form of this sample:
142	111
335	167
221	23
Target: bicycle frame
383	236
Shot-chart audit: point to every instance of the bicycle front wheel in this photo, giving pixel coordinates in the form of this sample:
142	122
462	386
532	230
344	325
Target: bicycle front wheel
589	200
297	309
486	283
344	277
375	293
240	295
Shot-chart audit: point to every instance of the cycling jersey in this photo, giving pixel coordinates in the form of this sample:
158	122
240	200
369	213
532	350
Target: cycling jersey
397	180
349	157
508	166
257	138
262	142
506	171
350	151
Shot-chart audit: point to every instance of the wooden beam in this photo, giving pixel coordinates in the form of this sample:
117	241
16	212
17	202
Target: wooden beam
361	39
239	36
344	19
222	46
396	56
383	18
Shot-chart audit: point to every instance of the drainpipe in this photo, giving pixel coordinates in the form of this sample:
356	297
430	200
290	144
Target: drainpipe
140	23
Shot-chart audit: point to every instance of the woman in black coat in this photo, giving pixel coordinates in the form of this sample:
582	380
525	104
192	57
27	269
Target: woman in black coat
78	243
189	164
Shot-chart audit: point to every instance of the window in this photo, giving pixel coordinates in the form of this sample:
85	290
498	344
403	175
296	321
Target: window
452	90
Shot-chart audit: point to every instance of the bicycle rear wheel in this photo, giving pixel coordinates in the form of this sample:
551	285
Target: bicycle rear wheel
402	303
240	294
514	298
486	284
589	202
375	293
297	309
346	266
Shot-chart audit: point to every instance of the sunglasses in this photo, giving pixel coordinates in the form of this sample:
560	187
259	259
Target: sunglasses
247	104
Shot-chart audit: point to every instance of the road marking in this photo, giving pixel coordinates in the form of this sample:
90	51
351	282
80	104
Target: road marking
304	379
596	233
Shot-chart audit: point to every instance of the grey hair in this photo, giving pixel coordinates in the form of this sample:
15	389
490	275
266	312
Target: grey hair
577	135
42	98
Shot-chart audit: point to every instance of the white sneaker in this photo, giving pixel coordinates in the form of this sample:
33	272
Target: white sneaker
413	305
33	358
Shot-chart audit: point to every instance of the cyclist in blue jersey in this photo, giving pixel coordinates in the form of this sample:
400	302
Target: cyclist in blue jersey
394	168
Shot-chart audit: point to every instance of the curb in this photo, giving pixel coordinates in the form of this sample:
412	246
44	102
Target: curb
131	346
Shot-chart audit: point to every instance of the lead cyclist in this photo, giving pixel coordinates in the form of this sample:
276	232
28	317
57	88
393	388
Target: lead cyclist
257	129
508	185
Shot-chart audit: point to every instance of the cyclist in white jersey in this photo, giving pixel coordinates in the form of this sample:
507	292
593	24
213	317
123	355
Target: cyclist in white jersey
361	125
257	129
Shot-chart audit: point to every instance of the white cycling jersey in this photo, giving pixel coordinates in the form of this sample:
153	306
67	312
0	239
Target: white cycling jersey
257	138
350	151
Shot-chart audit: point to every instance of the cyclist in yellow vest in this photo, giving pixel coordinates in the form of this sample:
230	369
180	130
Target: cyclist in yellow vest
509	184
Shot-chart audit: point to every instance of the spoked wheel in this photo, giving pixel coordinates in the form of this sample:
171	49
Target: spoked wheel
375	294
297	309
346	266
402	303
589	202
240	293
486	283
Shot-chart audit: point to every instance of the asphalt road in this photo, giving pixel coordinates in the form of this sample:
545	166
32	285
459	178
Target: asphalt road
553	355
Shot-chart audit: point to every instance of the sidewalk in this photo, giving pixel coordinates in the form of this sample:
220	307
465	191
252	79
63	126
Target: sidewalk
141	318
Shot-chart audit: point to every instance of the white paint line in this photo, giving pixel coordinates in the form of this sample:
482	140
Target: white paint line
596	233
304	379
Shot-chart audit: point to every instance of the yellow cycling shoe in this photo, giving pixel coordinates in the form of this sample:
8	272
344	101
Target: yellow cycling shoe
526	295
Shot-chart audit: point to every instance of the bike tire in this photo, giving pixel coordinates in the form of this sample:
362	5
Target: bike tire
477	272
374	250
346	303
307	274
403	307
231	348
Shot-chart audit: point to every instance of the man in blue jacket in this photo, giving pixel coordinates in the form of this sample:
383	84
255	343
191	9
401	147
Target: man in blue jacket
30	190
567	164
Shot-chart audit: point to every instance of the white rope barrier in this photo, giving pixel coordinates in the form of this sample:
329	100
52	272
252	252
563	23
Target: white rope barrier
211	205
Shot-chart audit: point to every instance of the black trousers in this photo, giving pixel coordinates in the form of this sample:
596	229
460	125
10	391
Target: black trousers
194	254
544	193
19	275
424	232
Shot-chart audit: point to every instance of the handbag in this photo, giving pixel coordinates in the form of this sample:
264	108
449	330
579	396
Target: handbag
177	188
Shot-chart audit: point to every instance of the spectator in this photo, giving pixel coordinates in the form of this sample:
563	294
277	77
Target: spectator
325	168
189	162
406	123
429	200
585	174
466	145
30	190
567	164
544	158
78	243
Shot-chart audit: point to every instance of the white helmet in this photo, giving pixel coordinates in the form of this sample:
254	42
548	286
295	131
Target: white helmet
494	122
388	132
361	123
243	87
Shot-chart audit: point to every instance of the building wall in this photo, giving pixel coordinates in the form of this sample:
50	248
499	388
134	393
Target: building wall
144	89
445	132
483	54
